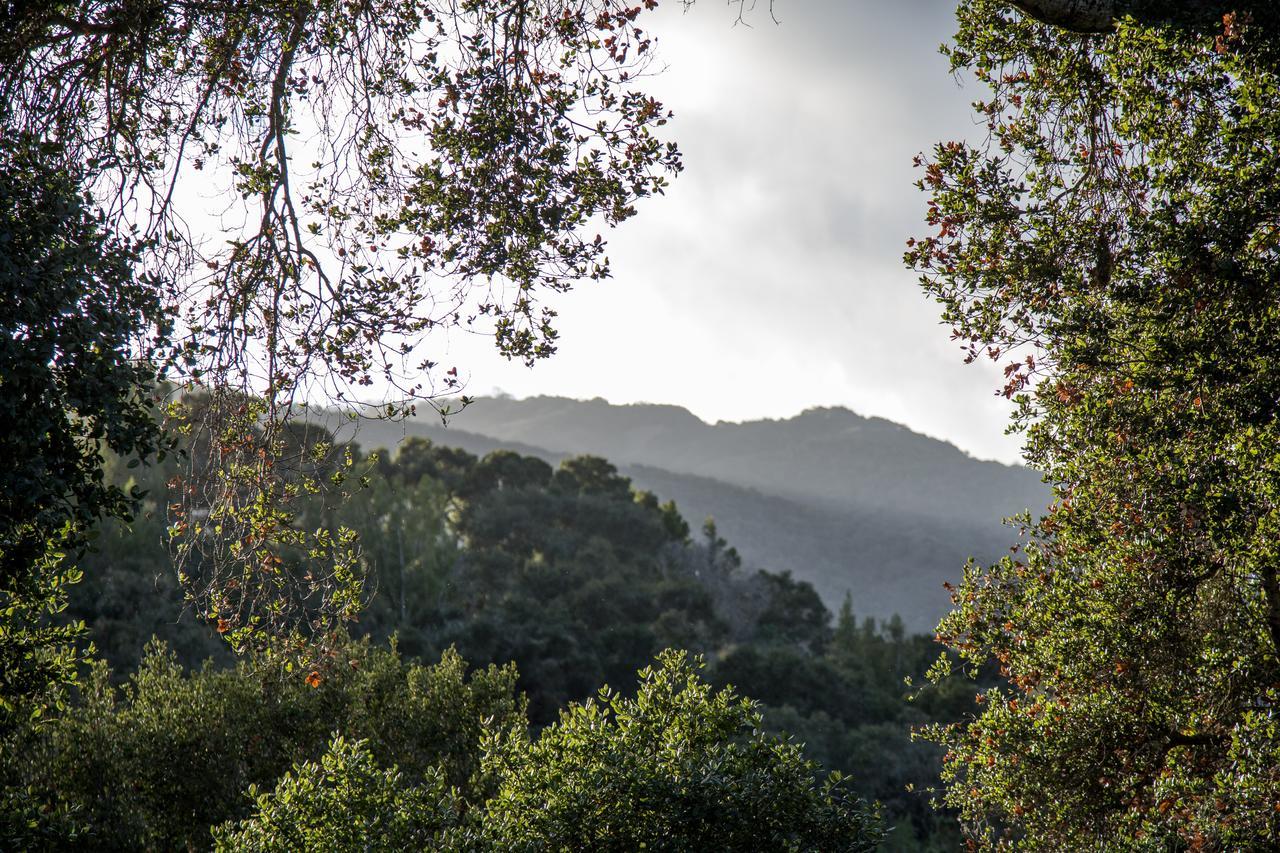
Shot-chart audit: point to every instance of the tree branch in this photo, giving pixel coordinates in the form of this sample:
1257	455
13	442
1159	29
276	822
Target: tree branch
1100	16
1081	16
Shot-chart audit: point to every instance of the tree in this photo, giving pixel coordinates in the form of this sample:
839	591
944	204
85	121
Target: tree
569	574
408	548
398	169
1114	242
582	588
473	144
345	802
78	328
155	763
675	768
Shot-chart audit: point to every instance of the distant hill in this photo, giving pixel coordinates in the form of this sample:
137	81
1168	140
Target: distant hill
846	502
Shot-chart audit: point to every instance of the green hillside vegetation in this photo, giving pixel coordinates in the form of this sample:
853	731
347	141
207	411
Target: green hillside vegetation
565	578
382	754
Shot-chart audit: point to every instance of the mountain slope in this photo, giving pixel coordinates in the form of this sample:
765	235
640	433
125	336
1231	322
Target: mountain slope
823	455
848	503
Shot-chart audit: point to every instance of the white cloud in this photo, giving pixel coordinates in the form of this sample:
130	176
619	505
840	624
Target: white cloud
769	279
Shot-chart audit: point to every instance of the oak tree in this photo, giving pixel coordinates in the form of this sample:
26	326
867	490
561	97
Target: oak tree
321	188
1113	241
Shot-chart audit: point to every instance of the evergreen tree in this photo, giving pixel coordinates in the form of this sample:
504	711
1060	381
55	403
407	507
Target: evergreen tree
1113	242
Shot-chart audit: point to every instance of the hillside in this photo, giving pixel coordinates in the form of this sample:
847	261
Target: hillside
826	455
848	503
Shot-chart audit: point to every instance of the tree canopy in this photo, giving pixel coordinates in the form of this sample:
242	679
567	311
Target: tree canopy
78	330
1113	242
676	767
571	574
382	170
470	146
416	756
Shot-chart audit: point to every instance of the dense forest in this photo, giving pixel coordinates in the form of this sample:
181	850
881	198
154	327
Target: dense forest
848	503
565	580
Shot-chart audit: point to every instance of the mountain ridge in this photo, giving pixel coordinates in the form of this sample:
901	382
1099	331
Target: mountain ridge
846	502
826	453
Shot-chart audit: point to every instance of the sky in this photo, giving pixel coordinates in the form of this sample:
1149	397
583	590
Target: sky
769	278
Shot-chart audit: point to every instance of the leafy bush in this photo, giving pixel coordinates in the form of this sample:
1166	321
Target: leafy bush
343	803
155	764
678	767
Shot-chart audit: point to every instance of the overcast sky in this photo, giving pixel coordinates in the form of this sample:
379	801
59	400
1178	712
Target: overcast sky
769	279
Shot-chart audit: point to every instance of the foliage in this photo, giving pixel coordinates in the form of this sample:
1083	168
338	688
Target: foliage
473	142
409	550
837	689
852	709
504	557
74	377
1114	240
155	764
128	592
567	573
677	767
398	168
570	573
246	558
343	803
